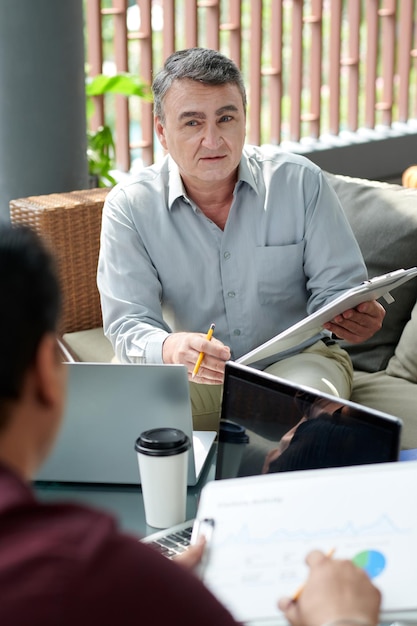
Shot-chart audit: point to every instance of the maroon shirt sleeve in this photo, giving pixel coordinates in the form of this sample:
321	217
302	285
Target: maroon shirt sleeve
66	565
128	583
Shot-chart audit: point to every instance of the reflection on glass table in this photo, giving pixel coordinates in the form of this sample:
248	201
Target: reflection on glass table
122	501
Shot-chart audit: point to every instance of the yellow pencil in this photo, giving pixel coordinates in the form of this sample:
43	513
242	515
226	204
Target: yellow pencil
300	589
201	355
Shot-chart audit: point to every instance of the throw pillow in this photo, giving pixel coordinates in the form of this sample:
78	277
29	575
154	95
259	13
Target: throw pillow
383	218
404	362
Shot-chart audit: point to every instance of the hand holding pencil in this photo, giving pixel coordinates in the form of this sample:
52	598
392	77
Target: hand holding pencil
201	355
204	355
336	592
300	589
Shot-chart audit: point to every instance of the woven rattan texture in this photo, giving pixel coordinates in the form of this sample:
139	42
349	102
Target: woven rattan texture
70	224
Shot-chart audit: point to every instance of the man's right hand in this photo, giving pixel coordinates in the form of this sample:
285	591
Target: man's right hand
335	591
192	555
184	348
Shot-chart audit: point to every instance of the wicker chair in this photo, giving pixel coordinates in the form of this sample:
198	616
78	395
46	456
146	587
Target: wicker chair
70	224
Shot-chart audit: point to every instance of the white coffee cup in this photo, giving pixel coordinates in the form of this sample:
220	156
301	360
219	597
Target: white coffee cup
163	465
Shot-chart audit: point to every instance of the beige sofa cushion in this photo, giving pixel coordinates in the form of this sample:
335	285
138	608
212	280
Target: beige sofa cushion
404	362
384	220
90	345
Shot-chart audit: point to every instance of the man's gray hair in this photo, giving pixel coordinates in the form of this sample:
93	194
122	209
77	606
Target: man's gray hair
204	65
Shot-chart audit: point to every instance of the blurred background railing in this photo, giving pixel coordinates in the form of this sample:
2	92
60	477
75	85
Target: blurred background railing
313	69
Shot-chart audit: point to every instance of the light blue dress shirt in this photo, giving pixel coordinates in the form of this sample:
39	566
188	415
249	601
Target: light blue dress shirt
286	250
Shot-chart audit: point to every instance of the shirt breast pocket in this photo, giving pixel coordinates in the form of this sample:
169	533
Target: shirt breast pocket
280	272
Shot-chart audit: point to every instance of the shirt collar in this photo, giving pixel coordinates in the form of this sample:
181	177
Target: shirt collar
175	184
246	172
176	187
14	490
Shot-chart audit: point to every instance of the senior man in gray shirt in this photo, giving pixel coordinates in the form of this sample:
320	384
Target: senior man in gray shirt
250	238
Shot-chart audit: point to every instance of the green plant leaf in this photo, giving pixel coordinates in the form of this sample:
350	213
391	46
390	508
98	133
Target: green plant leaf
100	143
100	155
90	108
124	84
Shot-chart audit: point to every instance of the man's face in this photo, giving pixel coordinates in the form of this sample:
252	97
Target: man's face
204	130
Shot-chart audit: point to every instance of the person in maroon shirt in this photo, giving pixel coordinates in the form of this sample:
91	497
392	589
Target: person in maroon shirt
63	564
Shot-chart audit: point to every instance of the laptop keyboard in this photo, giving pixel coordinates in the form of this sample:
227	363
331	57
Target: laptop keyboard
174	543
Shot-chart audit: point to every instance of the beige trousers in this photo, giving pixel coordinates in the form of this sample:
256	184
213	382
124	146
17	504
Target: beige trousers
322	367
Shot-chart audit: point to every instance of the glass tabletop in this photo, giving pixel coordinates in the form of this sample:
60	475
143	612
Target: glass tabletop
124	502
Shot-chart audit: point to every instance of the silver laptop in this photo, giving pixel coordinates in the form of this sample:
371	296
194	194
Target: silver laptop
108	406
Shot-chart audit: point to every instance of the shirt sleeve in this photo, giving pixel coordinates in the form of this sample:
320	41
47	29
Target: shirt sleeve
129	287
128	583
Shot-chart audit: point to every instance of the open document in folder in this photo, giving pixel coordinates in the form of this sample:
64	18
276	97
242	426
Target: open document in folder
372	289
262	528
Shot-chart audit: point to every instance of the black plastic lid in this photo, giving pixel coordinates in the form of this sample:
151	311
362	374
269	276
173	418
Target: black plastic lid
231	432
162	442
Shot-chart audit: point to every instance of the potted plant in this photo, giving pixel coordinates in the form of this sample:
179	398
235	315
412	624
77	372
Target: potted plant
100	142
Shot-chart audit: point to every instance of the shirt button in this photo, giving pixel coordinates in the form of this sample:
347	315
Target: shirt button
236	331
231	294
227	255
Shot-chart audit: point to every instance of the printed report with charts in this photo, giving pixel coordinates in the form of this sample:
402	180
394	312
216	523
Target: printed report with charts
264	526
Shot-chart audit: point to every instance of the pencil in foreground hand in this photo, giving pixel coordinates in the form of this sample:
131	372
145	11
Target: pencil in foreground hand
201	355
300	589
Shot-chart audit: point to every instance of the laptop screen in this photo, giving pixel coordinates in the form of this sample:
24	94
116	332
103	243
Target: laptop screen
271	425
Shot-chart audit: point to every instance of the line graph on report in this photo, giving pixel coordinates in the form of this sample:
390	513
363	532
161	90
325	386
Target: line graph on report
256	560
265	527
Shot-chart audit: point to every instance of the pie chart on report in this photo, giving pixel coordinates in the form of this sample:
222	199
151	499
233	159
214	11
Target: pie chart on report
371	561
